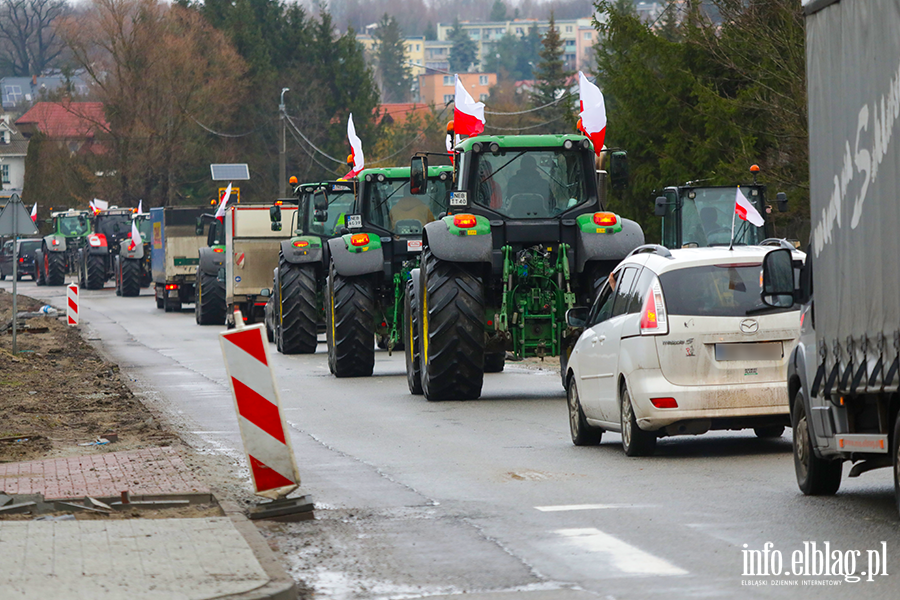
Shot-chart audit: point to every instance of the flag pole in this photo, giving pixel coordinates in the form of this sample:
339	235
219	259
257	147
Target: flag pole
733	213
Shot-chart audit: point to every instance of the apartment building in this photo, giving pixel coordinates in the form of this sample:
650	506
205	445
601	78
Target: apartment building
438	89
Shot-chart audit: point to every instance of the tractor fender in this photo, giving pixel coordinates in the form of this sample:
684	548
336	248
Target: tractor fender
311	253
124	252
61	245
350	264
211	261
446	245
607	246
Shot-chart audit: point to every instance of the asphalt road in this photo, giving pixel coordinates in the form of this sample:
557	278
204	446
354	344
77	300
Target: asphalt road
416	498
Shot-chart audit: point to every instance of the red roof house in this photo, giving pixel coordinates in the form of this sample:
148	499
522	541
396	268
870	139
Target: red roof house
74	123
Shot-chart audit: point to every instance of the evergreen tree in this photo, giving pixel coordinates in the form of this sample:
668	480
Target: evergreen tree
464	51
498	11
550	84
390	55
529	53
430	32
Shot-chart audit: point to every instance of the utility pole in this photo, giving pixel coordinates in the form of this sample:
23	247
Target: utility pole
282	166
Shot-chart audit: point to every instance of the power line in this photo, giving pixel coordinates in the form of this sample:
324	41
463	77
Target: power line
225	135
530	110
311	155
525	128
314	147
418	135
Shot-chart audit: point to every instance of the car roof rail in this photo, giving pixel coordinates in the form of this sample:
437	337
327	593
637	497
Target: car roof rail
781	243
652	248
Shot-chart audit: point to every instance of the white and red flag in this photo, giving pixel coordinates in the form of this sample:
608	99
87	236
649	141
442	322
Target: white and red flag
34	212
468	115
359	159
593	111
220	212
140	206
745	210
135	235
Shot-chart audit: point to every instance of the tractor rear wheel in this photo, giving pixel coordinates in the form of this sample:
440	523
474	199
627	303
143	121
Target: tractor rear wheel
413	350
210	306
130	273
296	321
351	346
55	268
94	271
452	334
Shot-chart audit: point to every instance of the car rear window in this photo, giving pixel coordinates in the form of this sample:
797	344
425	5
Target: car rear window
29	247
726	290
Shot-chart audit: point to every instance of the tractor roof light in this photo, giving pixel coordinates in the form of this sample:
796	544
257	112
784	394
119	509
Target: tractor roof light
754	168
568	144
465	221
301	244
605	219
293	180
278	203
359	239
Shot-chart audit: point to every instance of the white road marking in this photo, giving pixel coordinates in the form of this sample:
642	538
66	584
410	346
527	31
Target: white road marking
623	556
566	507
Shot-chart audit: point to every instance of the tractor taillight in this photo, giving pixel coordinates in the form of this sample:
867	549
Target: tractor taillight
55	242
301	244
653	314
465	221
218	249
359	239
605	219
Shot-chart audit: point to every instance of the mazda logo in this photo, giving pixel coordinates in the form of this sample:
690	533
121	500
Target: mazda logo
749	326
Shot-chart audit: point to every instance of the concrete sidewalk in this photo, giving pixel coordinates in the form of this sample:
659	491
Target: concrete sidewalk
137	559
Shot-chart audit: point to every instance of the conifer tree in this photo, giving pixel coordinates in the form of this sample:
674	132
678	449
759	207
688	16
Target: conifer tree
390	57
551	78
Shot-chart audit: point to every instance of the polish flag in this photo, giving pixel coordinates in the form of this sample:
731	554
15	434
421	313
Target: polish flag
220	212
359	159
468	115
745	210
140	206
593	112
34	212
135	236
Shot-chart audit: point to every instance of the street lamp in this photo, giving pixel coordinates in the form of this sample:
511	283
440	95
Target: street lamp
282	166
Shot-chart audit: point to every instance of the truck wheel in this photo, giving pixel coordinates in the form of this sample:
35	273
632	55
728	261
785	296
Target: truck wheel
295	323
130	274
452	332
582	433
160	303
494	362
815	476
55	268
352	304
94	271
210	304
172	305
411	336
635	441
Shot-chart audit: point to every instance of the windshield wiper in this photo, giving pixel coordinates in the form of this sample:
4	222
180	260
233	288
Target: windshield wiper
504	166
391	195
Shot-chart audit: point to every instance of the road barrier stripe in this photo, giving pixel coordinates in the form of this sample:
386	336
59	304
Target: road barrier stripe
72	304
255	393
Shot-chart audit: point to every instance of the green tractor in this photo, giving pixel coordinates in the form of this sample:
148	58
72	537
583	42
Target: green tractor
696	215
132	264
526	240
294	311
59	251
371	260
209	283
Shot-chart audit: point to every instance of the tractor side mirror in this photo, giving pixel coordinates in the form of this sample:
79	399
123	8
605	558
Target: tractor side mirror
275	215
81	220
659	207
418	175
778	279
781	201
577	317
199	228
320	204
618	169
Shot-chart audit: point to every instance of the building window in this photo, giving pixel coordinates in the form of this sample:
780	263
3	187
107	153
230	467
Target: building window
448	98
568	29
448	79
483	98
4	173
13	93
417	47
570	43
482	80
519	31
587	35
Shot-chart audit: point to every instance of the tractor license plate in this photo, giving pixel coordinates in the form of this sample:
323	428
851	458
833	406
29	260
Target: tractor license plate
458	199
414	245
354	221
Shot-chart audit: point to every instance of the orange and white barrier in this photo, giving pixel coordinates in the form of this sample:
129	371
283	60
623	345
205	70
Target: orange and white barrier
266	440
72	304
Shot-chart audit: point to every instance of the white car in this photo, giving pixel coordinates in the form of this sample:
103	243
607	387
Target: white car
678	342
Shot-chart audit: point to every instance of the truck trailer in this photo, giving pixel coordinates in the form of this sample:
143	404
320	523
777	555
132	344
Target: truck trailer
174	255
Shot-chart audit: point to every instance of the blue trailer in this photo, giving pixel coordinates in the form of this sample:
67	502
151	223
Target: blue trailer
174	254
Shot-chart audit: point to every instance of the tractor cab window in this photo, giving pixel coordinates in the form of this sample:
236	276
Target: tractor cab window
391	205
72	226
706	215
114	226
530	183
340	202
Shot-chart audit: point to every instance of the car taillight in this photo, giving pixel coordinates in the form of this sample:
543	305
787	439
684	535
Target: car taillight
359	239
653	314
664	402
21	259
171	286
605	219
465	221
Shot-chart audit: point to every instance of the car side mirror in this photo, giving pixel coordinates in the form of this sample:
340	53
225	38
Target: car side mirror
781	200
577	317
660	205
618	169
778	279
418	175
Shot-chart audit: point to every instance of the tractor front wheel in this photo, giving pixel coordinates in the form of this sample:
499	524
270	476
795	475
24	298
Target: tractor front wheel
452	334
94	271
55	268
130	274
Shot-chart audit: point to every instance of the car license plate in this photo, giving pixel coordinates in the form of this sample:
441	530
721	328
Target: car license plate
750	351
458	199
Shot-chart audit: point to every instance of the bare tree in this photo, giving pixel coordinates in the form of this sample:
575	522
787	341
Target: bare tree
29	42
